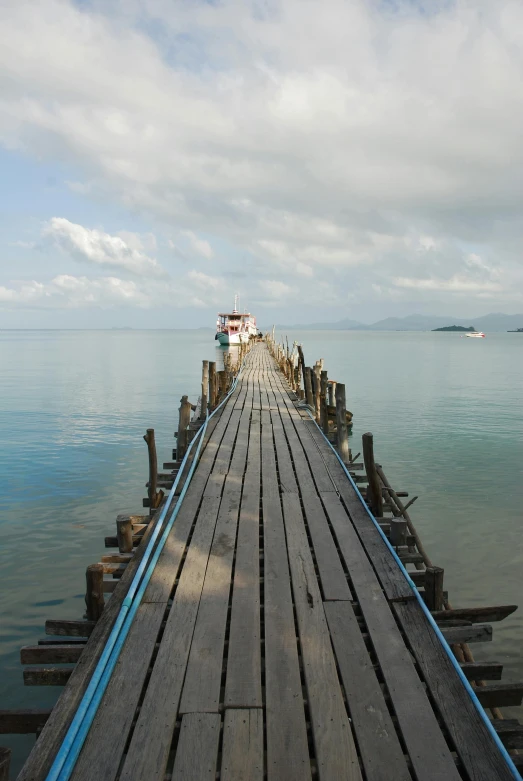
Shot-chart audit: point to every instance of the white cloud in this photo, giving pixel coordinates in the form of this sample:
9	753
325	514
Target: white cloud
69	292
275	289
198	246
204	281
456	284
102	249
365	142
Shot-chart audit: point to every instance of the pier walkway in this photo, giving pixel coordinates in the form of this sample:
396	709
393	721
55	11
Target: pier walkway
278	637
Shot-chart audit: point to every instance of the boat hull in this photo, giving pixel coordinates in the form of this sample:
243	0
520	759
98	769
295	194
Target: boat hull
227	339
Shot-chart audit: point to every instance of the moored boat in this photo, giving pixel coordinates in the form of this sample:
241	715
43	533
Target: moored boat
476	334
235	327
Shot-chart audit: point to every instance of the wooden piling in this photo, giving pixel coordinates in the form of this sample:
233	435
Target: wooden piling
317	391
124	534
212	384
341	423
205	390
154	496
434	588
307	381
324	413
398	532
183	422
5	762
332	389
94	594
374	494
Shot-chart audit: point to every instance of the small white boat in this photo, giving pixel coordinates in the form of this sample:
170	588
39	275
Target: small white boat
476	335
235	327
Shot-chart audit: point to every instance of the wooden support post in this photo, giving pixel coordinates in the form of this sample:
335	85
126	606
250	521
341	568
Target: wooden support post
374	490
332	390
434	588
124	534
183	422
205	390
307	381
341	423
398	532
317	391
324	414
301	363
94	594
154	496
212	384
222	377
5	762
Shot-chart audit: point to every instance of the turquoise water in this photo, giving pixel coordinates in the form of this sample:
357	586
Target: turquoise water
445	412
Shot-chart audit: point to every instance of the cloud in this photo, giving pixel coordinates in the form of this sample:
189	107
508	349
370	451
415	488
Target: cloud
101	249
69	292
456	284
370	143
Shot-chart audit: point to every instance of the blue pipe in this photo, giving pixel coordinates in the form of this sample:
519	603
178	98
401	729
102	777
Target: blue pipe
472	694
69	751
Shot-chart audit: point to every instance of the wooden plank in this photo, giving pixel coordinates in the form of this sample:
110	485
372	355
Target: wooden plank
418	724
500	695
201	690
476	614
510	731
50	654
69	628
149	748
47	676
475	633
242	753
285	471
23	721
379	746
391	578
475	747
197	750
482	671
287	747
243	682
113	719
334	745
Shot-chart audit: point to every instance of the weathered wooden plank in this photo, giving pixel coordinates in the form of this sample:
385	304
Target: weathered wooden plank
287	747
475	747
482	671
417	721
285	471
23	721
69	628
380	749
242	753
391	578
197	750
475	633
47	676
243	682
334	745
476	614
149	748
500	695
113	719
510	731
50	654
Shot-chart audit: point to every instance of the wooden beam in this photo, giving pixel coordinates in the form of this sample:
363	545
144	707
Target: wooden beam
480	671
510	732
47	676
66	628
22	722
50	654
476	614
479	633
499	695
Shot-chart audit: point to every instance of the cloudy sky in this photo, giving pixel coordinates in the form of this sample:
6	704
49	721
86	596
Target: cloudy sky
324	159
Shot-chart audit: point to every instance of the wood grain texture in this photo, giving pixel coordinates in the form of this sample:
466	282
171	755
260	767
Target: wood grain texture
197	750
242	753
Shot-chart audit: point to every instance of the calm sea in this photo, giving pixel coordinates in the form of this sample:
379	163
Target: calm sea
446	413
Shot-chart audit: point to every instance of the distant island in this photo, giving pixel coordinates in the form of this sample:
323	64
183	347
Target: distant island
455	328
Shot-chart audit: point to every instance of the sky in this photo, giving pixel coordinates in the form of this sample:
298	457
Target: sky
325	160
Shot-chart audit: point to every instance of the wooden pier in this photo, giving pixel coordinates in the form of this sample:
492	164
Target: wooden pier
278	637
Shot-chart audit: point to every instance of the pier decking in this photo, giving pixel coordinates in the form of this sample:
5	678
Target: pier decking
278	637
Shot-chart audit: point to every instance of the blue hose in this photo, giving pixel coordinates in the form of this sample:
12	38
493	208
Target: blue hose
472	694
69	751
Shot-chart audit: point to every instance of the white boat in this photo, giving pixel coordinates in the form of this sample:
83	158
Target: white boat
235	327
476	335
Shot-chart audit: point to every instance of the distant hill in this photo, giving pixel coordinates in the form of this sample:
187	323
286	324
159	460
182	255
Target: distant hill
454	328
488	323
